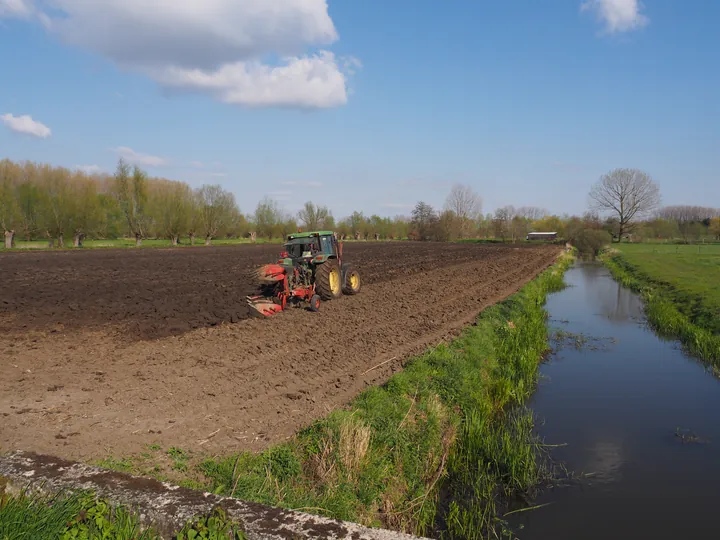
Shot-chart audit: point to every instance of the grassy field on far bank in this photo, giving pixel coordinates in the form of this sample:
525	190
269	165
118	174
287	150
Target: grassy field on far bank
681	289
688	275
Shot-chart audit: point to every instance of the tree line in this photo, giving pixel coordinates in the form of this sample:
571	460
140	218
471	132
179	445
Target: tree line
55	203
58	204
39	201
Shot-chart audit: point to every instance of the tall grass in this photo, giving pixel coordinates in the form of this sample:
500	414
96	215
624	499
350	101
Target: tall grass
80	515
66	516
663	314
451	422
498	457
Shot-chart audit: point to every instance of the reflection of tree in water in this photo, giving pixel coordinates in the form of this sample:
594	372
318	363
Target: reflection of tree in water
607	297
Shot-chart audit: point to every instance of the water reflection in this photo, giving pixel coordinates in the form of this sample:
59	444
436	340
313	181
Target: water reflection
612	300
616	410
606	460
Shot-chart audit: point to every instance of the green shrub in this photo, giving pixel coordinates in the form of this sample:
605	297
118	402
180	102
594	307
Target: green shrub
590	242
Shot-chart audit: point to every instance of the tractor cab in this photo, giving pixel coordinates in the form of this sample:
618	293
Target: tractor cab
301	248
317	247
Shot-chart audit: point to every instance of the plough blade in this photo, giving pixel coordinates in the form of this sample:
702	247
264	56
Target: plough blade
263	307
270	273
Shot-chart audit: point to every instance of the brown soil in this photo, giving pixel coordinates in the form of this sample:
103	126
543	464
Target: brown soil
103	352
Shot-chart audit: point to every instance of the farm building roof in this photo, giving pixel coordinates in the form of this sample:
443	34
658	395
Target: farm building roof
550	232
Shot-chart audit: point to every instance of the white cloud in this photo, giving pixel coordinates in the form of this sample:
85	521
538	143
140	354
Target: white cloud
219	47
618	15
21	9
89	169
136	158
26	125
308	184
307	82
197	164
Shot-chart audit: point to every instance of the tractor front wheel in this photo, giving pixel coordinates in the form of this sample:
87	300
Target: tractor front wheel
328	282
352	281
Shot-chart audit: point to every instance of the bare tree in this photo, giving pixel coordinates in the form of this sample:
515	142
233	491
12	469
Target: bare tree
691	220
314	217
688	214
533	213
627	194
465	204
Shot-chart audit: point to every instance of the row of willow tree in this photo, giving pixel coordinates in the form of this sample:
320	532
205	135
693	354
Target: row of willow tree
54	203
39	201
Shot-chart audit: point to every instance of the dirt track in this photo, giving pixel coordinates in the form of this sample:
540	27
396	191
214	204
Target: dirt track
99	356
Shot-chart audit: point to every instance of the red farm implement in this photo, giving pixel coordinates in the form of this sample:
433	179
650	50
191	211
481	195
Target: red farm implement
310	269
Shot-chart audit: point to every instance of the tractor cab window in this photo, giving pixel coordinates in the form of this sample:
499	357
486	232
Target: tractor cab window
299	246
327	245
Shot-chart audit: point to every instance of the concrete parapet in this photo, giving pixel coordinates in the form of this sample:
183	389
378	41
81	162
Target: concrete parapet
167	507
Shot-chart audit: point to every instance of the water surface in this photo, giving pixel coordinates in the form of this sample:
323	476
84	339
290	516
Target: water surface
617	402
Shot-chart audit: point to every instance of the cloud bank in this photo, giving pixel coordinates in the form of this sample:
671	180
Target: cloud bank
243	52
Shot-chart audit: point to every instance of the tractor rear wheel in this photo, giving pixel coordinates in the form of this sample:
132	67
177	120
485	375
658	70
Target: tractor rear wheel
352	281
328	282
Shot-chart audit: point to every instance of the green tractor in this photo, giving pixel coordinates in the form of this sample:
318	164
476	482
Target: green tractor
311	269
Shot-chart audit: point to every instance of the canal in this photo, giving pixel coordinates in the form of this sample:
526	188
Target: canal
638	419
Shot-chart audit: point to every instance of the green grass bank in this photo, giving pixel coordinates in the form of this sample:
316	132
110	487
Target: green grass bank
80	515
681	291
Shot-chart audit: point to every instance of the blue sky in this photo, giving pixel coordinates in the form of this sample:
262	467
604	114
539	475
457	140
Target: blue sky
381	104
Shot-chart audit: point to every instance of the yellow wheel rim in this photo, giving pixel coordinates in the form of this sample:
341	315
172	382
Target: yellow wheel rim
334	280
354	280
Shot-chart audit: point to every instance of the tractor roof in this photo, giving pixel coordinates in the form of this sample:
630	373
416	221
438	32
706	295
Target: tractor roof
308	234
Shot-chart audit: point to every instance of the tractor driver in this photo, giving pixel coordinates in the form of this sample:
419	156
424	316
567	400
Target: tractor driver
309	249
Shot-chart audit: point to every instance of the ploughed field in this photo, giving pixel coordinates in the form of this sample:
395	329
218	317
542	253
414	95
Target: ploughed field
105	352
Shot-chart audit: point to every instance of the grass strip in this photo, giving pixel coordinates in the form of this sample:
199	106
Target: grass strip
452	421
666	312
80	515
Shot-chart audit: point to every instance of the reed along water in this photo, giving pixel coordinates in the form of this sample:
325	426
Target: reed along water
640	420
